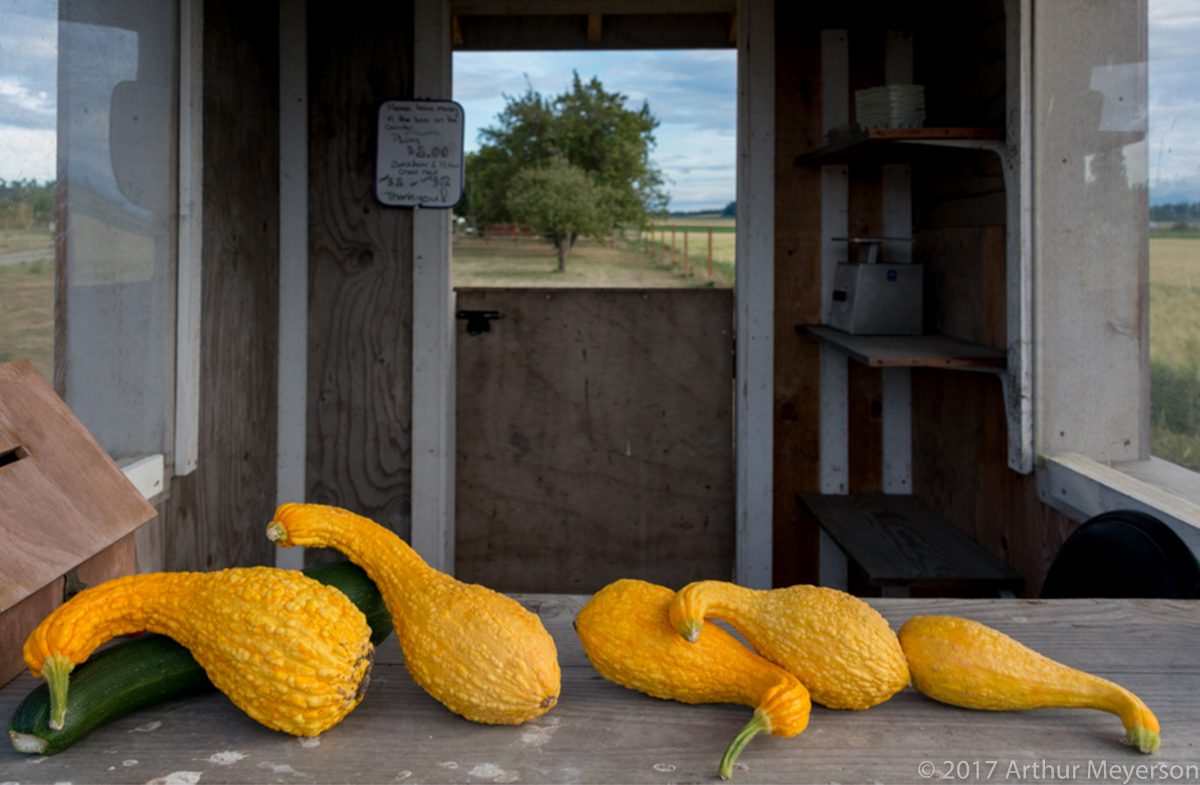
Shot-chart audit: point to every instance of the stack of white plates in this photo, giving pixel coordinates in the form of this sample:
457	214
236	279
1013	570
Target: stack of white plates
891	106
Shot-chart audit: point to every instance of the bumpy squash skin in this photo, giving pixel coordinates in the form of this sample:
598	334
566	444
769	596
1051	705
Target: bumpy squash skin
293	654
965	663
476	651
628	637
152	669
839	647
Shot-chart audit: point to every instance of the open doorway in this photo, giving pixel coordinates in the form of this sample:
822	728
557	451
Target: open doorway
595	410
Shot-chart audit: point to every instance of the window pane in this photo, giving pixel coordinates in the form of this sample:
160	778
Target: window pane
88	107
28	119
1175	232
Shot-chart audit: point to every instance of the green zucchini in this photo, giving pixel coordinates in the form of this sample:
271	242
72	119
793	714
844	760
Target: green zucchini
151	669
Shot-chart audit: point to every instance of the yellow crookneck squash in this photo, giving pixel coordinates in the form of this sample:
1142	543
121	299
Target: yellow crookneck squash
476	651
965	663
842	649
292	653
627	635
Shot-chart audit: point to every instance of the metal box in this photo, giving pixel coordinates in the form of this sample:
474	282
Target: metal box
877	299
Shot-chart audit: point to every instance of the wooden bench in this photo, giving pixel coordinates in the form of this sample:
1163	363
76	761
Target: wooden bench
896	541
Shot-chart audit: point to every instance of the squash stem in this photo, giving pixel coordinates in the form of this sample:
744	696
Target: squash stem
1143	740
57	669
276	532
689	629
755	726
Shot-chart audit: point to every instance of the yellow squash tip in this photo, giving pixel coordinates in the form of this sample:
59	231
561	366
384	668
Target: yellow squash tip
689	629
1143	740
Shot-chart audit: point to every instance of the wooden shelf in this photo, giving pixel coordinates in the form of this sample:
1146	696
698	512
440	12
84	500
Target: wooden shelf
909	351
896	144
898	541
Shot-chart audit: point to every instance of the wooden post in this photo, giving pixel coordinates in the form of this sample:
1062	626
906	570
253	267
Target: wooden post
687	262
710	270
672	245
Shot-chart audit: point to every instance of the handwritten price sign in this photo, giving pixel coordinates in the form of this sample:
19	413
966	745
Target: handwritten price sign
419	157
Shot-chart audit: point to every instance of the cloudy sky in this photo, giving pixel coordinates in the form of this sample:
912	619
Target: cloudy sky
693	94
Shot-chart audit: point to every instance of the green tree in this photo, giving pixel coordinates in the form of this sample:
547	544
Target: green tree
561	201
592	130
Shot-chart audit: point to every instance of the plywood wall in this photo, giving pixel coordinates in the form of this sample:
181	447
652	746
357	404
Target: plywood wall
360	268
214	517
595	438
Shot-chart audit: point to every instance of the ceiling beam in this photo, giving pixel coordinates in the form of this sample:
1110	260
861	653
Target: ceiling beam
587	7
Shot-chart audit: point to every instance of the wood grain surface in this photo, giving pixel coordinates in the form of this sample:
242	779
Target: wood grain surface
65	500
360	269
603	733
595	438
798	241
215	515
898	541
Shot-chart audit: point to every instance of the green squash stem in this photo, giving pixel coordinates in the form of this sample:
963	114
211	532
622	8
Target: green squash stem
758	724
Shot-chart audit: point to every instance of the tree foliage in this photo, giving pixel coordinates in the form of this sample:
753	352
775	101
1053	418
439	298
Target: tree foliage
561	201
586	128
1180	212
25	204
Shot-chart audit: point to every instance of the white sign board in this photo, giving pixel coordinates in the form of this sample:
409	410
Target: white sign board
419	157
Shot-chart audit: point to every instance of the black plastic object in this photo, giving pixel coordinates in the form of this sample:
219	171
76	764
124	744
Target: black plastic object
1124	553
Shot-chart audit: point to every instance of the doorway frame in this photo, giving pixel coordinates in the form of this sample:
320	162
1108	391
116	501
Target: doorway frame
434	389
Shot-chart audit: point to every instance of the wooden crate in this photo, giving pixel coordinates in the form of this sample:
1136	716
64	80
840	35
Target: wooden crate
64	506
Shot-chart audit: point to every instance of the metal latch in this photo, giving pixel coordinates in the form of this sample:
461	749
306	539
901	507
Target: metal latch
479	322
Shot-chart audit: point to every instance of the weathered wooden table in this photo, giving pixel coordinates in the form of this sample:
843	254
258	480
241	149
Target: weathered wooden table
602	733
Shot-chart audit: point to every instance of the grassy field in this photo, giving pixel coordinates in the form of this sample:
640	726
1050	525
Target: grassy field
27	305
13	240
1175	349
660	242
527	262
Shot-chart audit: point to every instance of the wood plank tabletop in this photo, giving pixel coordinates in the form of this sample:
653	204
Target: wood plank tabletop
602	733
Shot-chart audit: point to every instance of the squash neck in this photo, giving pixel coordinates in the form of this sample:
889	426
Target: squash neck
710	599
387	559
111	609
1141	726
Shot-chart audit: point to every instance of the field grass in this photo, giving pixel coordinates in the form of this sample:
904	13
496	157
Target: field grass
659	241
529	262
27	305
1175	349
13	240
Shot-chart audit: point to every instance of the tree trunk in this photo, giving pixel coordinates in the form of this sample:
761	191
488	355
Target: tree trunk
563	244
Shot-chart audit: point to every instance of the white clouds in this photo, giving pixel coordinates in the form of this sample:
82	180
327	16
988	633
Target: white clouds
27	153
693	93
21	96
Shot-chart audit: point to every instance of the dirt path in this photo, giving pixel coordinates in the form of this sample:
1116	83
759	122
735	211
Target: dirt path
21	257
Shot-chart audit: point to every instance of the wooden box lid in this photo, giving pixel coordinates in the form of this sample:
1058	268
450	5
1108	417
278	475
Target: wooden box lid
62	499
